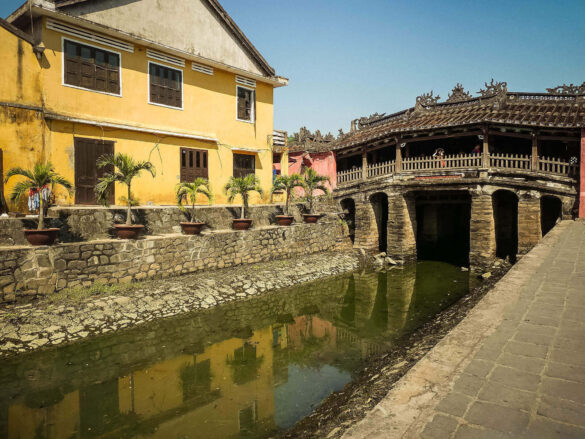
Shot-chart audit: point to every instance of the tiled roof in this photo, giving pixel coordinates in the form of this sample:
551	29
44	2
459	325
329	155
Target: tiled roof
542	110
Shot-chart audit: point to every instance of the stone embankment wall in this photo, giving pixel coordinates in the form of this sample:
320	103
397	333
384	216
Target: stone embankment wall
81	223
28	272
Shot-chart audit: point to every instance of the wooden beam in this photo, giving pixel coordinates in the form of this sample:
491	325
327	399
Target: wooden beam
398	162
571	138
485	155
535	155
443	136
364	164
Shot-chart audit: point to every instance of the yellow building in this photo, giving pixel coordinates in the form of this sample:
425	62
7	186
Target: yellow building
176	83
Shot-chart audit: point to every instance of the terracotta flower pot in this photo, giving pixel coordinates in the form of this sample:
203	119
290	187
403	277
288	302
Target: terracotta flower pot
41	237
192	228
241	224
284	220
311	218
125	231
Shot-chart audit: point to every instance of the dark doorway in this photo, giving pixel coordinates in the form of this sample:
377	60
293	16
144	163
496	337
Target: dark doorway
348	207
551	211
442	220
380	206
87	152
505	205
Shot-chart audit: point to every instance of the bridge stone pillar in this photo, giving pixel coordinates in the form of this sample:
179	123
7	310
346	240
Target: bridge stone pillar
529	229
366	228
401	227
482	239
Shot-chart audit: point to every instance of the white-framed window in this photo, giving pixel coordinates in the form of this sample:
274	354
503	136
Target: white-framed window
92	68
165	86
246	104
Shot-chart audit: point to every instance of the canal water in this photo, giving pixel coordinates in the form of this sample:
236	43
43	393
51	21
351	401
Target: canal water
244	369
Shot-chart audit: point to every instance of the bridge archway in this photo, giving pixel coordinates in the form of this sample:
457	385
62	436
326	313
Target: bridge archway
348	207
505	206
379	202
443	226
551	211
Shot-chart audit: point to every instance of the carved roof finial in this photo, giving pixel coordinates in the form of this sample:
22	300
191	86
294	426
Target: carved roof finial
494	88
570	89
425	101
458	94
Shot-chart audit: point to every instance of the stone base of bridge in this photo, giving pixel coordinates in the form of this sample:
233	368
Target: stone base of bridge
504	222
529	228
402	228
482	239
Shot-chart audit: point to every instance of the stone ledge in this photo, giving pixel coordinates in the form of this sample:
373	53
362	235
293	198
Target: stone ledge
29	272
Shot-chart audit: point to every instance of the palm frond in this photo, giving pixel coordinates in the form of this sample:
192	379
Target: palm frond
19	171
41	175
21	188
102	188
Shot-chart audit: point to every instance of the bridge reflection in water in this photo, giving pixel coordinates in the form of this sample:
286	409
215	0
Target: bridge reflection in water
247	368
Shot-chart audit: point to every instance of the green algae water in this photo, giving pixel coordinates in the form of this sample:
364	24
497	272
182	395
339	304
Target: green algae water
246	369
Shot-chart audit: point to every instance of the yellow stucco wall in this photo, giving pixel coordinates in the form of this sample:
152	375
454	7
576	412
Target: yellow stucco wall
209	109
22	126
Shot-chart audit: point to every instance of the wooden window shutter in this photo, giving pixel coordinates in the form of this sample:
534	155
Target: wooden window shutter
91	68
166	86
193	164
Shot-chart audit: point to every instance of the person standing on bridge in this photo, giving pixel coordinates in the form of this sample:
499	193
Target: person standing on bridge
439	154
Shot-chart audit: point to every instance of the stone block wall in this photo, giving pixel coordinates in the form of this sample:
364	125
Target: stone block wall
366	229
28	272
482	239
529	228
401	228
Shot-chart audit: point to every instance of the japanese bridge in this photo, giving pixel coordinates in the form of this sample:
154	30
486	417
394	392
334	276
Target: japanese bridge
465	180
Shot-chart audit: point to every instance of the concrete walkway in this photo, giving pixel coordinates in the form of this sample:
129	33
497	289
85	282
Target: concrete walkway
514	367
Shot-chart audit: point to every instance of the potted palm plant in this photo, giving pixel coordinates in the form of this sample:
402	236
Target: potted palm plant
40	180
123	170
187	191
313	182
242	186
286	183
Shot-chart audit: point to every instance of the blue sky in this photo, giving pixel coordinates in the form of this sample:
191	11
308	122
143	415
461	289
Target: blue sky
347	59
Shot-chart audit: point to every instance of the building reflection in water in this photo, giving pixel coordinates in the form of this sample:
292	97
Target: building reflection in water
274	372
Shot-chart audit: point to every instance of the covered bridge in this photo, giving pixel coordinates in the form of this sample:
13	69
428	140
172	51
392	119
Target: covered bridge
479	177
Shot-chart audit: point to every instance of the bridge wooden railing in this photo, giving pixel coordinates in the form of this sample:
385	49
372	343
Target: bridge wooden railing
454	161
557	166
411	165
510	161
349	175
384	168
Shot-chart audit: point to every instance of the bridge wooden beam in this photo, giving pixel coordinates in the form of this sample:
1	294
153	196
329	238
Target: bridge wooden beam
535	148
398	161
485	156
364	163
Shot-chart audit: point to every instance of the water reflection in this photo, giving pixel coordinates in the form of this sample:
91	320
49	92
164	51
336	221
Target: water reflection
242	370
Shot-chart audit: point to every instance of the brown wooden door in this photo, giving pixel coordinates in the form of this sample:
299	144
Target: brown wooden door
87	152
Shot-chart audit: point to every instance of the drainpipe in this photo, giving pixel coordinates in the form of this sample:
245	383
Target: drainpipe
582	176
